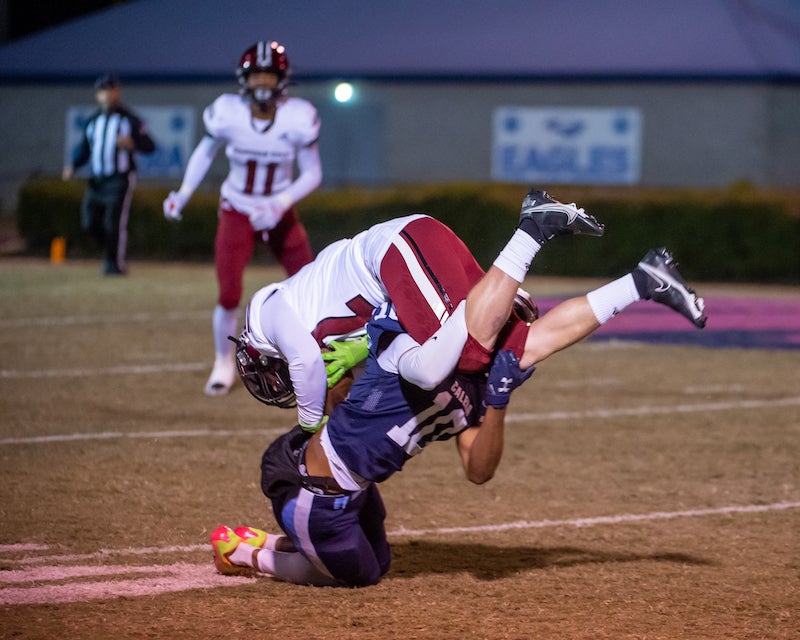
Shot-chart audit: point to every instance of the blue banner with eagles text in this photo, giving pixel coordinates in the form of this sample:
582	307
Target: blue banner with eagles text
567	145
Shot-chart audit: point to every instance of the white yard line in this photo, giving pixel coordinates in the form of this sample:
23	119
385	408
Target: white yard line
170	578
650	410
601	520
107	371
113	435
647	410
58	321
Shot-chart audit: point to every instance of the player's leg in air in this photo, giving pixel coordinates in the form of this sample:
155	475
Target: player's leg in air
655	278
428	271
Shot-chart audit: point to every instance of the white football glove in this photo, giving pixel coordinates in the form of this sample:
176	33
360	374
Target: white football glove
174	204
269	213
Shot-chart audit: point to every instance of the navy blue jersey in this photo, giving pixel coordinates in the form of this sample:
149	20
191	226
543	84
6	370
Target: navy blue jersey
386	420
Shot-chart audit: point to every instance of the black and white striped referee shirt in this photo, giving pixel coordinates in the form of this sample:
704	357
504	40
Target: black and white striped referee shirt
98	146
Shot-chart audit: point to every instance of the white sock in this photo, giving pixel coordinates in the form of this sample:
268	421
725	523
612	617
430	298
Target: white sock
226	323
243	555
610	299
289	566
516	257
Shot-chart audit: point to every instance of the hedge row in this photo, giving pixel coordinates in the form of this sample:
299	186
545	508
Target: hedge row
733	235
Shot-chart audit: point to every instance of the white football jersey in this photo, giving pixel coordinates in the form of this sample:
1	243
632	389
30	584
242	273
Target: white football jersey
336	293
261	153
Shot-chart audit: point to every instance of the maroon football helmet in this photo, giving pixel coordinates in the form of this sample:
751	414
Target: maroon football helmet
266	57
266	378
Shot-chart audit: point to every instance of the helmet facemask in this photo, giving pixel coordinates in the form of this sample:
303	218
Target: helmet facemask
262	98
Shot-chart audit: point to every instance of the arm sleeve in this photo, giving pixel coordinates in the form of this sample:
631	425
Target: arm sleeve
281	325
310	168
199	163
428	364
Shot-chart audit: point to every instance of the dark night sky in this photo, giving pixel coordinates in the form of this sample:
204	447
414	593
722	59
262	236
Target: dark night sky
28	16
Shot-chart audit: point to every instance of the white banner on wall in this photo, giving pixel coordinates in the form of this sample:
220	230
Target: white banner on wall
567	145
172	129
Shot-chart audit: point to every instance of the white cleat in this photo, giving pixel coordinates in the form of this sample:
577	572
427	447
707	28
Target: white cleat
221	378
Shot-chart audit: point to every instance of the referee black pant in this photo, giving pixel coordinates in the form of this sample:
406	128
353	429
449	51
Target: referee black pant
104	215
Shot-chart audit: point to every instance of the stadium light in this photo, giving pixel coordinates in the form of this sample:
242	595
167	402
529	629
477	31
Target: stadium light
344	92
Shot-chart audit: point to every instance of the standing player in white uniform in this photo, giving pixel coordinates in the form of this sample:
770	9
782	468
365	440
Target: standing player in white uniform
265	133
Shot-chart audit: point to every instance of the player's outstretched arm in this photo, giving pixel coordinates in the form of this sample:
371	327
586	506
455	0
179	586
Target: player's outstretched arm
481	448
196	169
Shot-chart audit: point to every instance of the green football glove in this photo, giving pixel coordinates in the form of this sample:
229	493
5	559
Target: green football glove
343	356
313	428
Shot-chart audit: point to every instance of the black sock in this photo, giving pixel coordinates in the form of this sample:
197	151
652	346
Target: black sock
641	279
532	229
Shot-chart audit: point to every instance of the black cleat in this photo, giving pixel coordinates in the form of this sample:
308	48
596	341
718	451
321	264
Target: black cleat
657	279
543	218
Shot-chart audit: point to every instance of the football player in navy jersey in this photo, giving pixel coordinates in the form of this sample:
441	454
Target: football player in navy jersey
323	487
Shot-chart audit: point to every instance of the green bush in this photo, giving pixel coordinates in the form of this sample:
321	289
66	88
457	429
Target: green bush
733	235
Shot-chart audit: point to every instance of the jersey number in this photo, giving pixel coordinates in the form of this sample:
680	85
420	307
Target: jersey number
362	310
252	165
408	435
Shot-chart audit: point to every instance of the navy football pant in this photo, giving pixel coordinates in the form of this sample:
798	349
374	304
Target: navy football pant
342	535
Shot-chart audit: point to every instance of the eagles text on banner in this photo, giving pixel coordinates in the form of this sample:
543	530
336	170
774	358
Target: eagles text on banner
566	145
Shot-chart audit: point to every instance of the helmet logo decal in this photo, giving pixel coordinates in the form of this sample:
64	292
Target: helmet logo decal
264	54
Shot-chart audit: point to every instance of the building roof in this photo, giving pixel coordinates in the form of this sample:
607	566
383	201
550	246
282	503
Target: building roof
167	40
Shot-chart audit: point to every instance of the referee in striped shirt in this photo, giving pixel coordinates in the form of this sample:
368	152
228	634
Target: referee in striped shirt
112	136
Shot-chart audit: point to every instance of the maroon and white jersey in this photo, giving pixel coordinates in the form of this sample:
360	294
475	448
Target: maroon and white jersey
261	153
330	297
415	262
337	293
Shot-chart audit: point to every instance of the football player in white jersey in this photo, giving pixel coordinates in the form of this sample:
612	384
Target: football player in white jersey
416	262
265	133
422	267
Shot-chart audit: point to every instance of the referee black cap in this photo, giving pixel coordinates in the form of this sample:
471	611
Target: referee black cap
107	81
